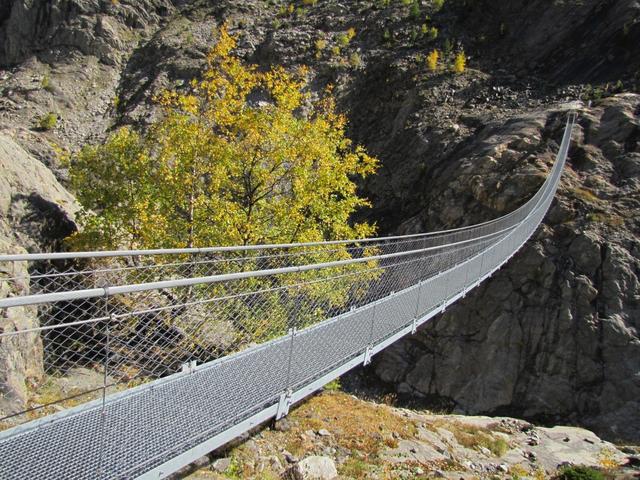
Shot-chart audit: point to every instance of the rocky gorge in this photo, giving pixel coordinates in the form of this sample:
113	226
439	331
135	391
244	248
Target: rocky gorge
552	337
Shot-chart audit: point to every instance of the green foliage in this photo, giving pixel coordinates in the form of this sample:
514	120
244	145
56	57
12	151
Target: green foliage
48	121
602	91
46	83
437	5
448	47
579	472
345	38
431	33
234	471
354	60
476	437
354	467
415	10
333	385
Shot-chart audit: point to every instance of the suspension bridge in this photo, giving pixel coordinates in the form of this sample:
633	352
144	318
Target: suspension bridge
194	347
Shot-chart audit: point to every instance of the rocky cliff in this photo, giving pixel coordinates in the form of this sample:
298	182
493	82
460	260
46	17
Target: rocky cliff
36	212
554	334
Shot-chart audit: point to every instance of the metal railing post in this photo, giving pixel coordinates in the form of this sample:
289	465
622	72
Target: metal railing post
367	352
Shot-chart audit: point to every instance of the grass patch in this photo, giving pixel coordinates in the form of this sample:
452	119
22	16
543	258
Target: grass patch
473	437
333	386
48	121
361	429
585	195
356	425
612	220
518	471
579	472
353	467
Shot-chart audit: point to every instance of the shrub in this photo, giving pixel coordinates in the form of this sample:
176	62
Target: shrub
354	60
580	472
448	47
460	63
48	121
432	60
415	10
438	4
345	38
333	385
46	83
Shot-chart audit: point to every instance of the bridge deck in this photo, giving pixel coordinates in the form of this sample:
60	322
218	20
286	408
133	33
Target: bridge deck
140	429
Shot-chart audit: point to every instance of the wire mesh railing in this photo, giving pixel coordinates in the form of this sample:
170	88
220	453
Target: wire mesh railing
183	346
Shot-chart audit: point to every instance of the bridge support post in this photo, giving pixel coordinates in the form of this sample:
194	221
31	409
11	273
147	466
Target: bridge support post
189	367
414	325
285	397
367	356
284	404
367	351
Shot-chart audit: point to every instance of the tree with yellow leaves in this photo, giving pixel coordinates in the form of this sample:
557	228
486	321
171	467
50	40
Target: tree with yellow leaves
231	161
460	63
432	60
242	157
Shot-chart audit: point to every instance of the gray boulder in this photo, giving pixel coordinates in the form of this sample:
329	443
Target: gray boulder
313	468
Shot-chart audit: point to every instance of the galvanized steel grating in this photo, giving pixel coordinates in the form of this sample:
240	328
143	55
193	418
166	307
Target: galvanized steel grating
189	344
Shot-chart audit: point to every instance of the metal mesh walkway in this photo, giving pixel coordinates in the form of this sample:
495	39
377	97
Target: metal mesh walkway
204	344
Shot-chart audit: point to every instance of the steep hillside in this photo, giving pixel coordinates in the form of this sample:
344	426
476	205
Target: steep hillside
553	335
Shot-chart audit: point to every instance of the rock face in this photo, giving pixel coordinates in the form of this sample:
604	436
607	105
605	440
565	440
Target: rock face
554	334
36	212
98	28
